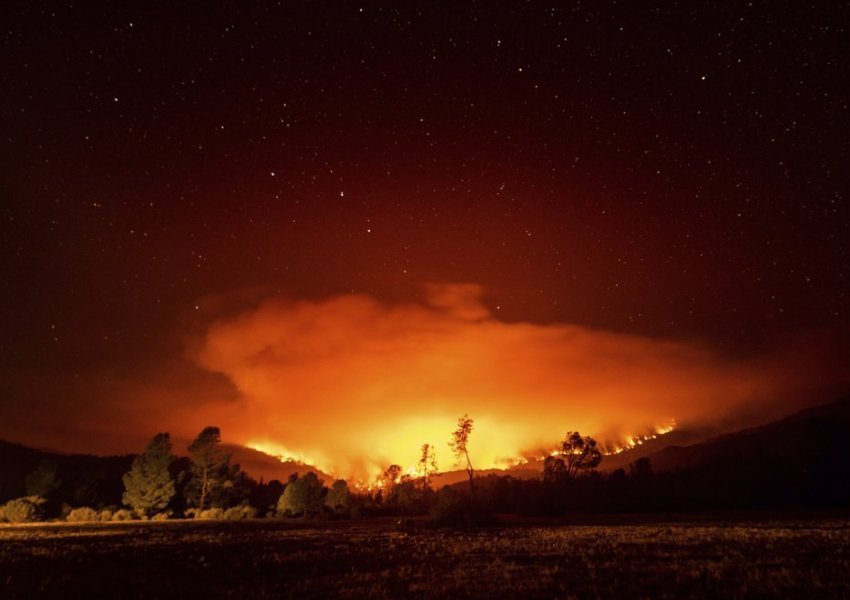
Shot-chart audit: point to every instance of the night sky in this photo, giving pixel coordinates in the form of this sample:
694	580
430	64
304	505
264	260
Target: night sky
671	171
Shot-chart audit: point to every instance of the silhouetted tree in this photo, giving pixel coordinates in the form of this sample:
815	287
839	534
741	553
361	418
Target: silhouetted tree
390	477
643	496
450	506
641	469
265	496
339	498
576	454
43	481
210	467
302	496
460	446
427	465
554	469
235	487
148	485
85	488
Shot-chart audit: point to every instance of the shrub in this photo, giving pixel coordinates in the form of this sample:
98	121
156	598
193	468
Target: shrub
83	514
214	514
239	513
105	515
23	510
122	514
161	516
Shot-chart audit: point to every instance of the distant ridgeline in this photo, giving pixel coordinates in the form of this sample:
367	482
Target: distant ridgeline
802	461
83	479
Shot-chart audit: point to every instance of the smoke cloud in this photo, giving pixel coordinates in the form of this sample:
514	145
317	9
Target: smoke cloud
353	384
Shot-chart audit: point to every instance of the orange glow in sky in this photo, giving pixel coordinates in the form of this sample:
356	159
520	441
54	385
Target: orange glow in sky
352	384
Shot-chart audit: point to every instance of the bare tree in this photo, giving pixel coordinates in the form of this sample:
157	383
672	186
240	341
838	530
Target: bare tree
460	446
427	465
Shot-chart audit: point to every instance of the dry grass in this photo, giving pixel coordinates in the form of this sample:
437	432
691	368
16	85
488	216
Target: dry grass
796	559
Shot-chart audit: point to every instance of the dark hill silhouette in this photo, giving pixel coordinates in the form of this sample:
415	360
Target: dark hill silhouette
801	441
612	462
86	478
451	478
16	462
799	461
261	465
92	479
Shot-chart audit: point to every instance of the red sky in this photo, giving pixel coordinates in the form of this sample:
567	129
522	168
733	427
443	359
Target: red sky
230	216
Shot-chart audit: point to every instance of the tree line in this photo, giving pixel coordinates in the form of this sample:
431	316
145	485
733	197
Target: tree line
159	485
204	484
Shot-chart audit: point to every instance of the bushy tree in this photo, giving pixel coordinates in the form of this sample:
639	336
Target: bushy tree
148	485
302	496
210	467
265	496
554	469
339	497
86	485
409	498
43	481
390	477
576	454
460	446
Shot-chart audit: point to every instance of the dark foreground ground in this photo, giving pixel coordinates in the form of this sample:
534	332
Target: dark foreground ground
741	558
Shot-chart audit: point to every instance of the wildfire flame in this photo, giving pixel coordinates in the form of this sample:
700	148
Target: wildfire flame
284	454
631	441
626	443
377	480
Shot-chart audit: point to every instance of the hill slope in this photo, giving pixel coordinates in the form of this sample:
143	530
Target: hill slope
816	436
261	465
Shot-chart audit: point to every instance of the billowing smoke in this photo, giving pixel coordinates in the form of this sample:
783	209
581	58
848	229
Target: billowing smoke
353	384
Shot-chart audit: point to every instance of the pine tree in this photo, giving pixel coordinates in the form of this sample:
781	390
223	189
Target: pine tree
210	468
149	486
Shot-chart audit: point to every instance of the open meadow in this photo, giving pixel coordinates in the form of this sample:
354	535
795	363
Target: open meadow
386	558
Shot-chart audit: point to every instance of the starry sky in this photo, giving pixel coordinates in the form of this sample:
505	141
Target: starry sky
666	171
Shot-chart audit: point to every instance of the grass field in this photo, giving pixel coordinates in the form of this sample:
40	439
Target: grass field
741	559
